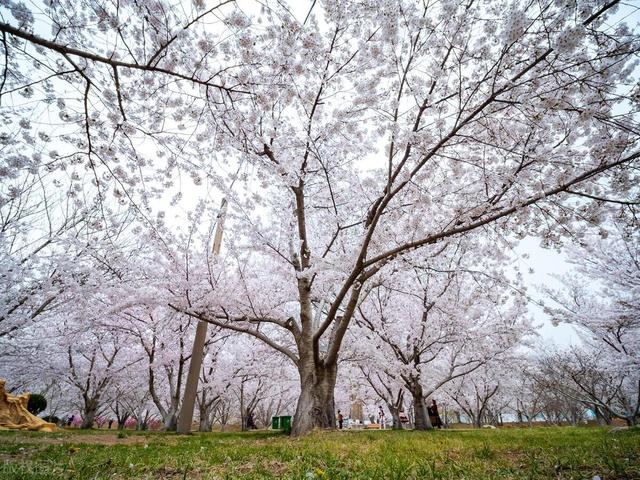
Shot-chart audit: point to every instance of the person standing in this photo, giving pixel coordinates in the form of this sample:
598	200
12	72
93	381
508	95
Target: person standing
340	420
434	416
251	423
381	418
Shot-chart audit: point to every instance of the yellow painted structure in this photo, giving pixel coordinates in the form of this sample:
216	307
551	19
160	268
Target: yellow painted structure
15	416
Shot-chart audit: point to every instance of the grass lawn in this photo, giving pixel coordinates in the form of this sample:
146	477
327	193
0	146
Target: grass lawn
538	453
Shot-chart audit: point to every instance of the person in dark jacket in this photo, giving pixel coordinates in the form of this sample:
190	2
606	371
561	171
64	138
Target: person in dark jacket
434	416
251	423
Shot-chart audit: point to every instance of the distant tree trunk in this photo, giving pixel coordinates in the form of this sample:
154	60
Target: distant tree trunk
476	418
395	419
171	420
206	409
222	413
89	414
602	416
142	420
122	415
529	420
205	425
574	417
395	408
206	416
246	414
169	414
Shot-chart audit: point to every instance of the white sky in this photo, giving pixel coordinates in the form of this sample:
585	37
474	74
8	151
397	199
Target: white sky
544	263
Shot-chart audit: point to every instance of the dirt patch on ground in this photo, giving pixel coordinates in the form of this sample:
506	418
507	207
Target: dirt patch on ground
276	467
22	454
91	439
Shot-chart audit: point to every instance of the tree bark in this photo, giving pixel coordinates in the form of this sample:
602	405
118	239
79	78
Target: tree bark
602	416
206	410
395	418
206	425
477	421
90	410
422	421
456	414
171	420
316	405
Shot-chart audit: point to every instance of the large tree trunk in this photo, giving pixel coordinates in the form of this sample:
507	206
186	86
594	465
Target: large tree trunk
316	406
422	421
89	414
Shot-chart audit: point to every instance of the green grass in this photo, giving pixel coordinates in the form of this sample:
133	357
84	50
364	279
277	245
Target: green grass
538	453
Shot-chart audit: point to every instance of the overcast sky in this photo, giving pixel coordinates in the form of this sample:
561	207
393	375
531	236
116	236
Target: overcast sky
544	263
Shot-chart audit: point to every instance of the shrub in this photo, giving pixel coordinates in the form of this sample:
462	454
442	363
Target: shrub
37	403
52	419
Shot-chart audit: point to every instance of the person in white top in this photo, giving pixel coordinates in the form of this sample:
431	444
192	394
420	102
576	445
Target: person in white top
381	419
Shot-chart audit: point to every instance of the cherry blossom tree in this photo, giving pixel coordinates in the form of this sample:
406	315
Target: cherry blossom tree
601	300
428	325
216	377
474	139
108	77
164	339
475	393
388	387
527	395
580	374
44	250
364	134
89	362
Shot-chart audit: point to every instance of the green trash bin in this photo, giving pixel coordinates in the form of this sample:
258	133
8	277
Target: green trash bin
285	424
275	423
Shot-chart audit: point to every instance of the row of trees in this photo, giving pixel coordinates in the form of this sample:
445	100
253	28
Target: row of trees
454	334
380	161
133	373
